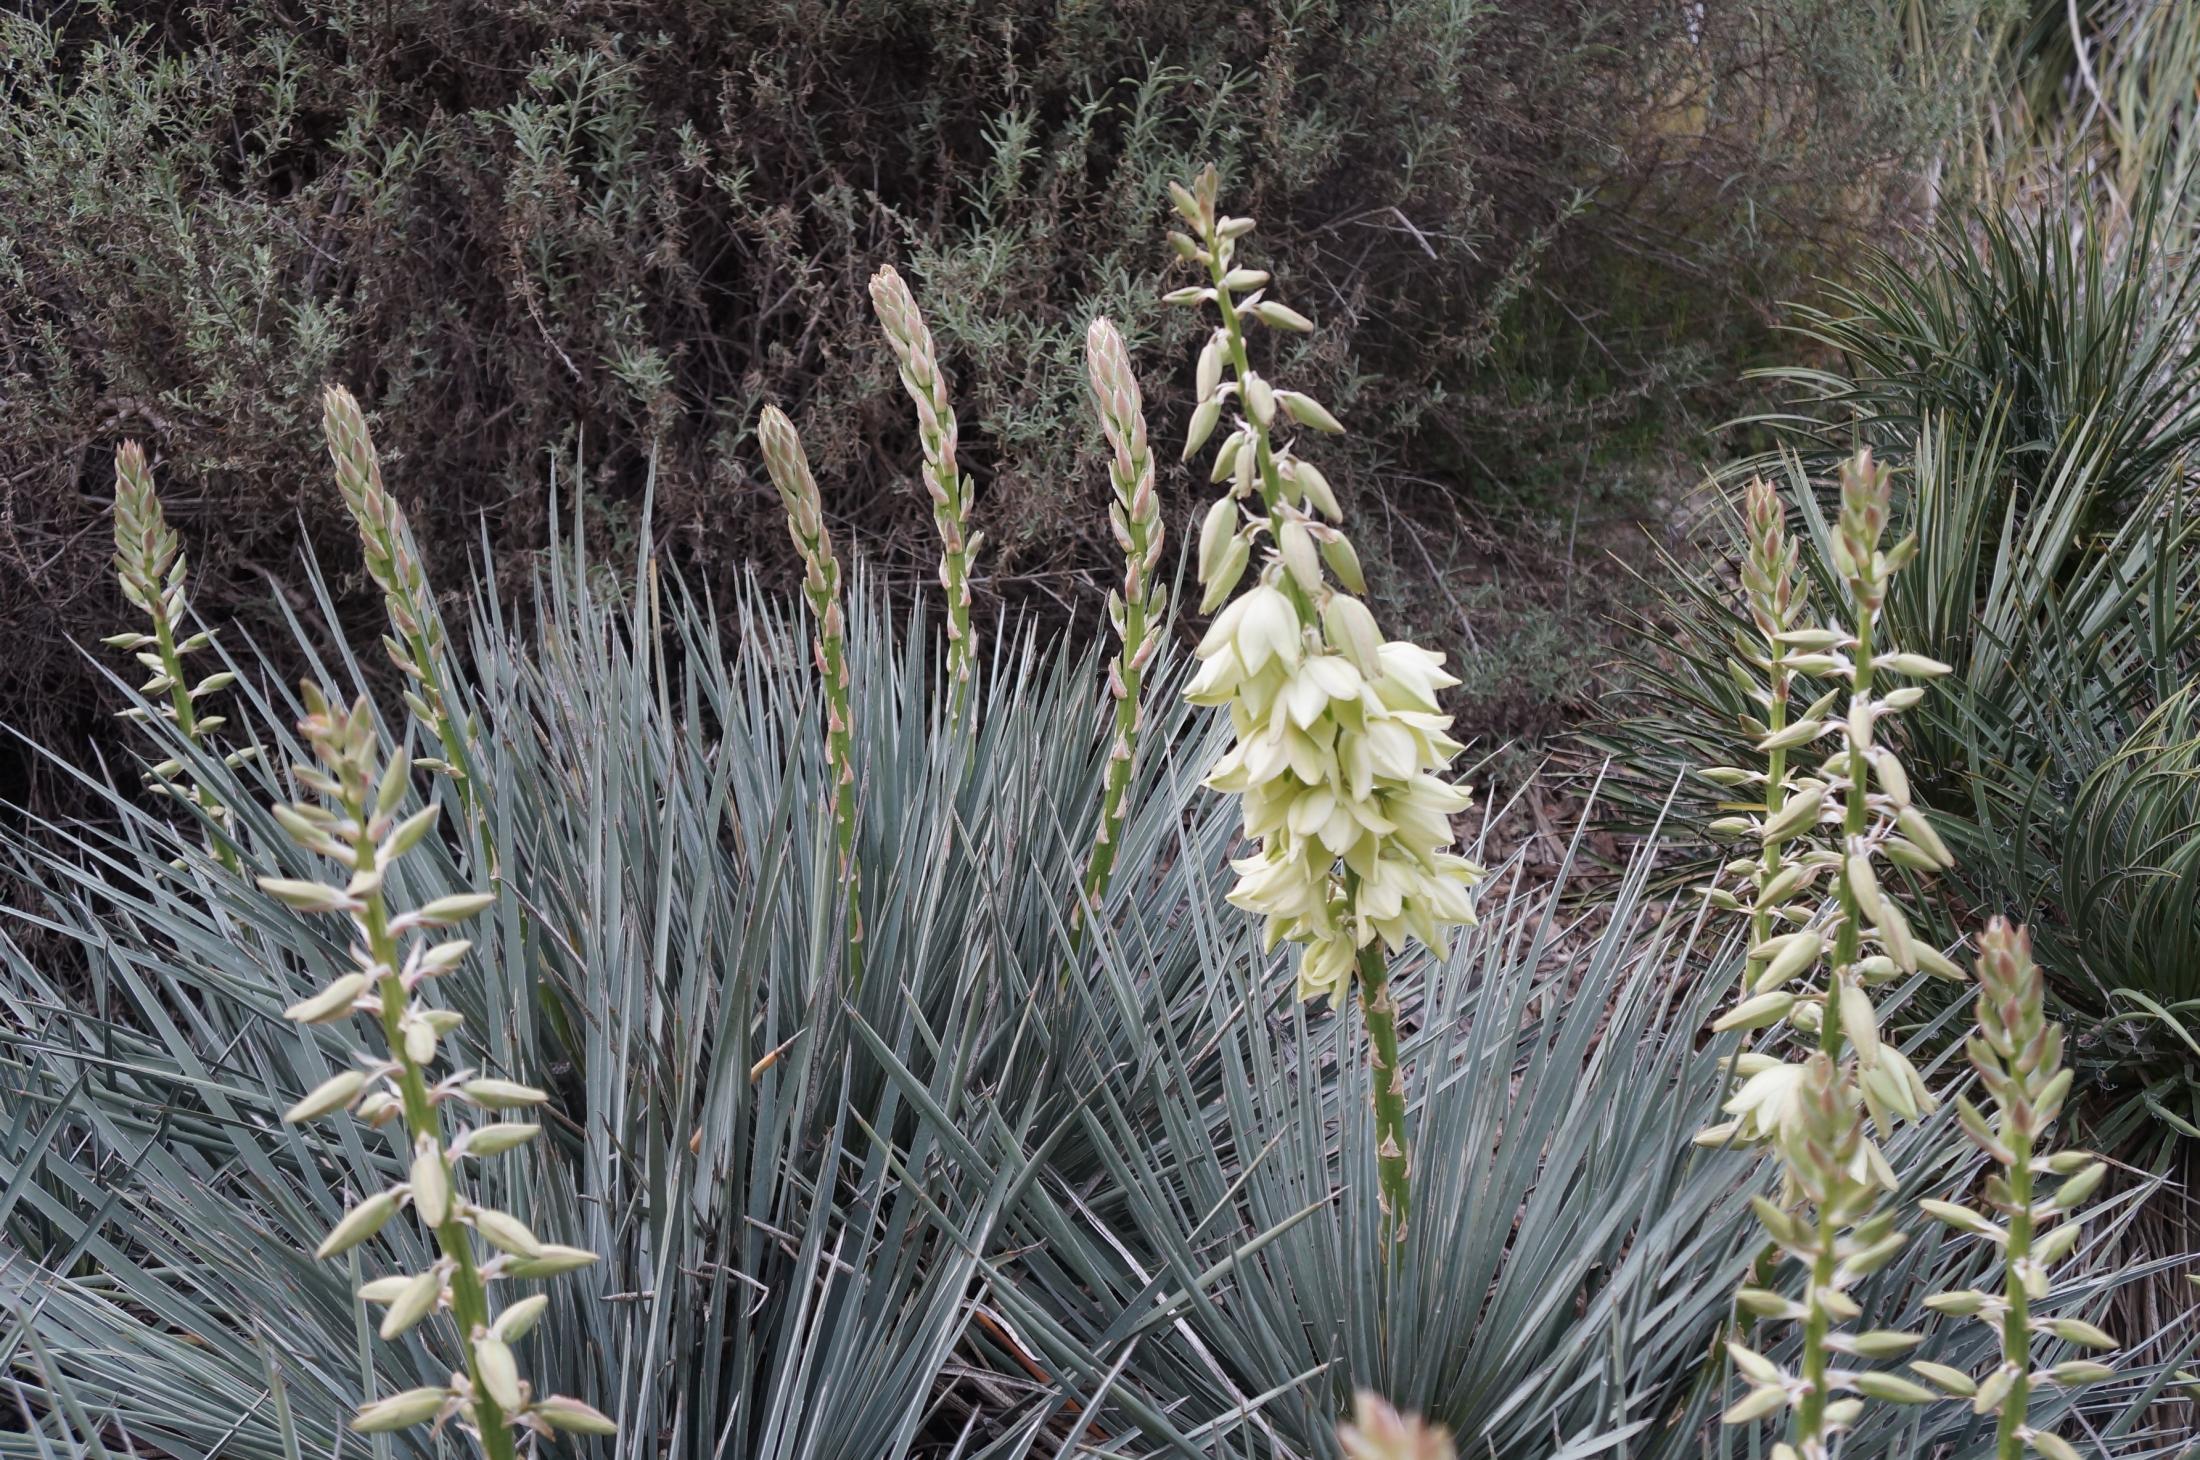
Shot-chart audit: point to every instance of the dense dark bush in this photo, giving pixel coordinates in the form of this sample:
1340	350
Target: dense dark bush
518	227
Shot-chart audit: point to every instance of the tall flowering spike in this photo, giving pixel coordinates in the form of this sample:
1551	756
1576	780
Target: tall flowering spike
1341	750
2017	1052
417	645
926	381
1827	929
149	564
1828	1221
789	467
353	820
1135	608
1378	1432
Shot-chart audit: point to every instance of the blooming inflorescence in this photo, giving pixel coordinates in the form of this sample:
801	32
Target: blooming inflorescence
1341	749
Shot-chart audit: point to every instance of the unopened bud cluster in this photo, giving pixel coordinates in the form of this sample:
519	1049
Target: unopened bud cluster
353	821
149	564
417	646
1826	929
1831	1222
789	468
1341	748
2018	1055
923	377
1134	608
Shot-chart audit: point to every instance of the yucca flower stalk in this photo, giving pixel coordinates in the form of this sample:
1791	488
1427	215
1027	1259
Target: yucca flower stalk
418	644
354	823
1135	608
1831	1221
2017	1052
150	565
1775	595
1376	1431
1340	747
789	468
925	379
1831	827
1825	932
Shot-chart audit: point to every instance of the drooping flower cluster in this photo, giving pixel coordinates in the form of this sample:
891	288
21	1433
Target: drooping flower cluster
1376	1431
1338	764
1341	747
2017	1053
394	957
1341	750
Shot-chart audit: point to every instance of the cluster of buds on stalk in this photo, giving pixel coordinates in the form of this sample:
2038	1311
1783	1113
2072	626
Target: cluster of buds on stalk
1825	932
926	381
149	563
1378	1432
789	468
1341	749
354	823
2017	1053
1134	609
417	646
1832	1220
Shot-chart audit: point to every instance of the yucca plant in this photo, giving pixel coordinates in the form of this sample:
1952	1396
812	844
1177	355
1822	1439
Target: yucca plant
2037	400
945	482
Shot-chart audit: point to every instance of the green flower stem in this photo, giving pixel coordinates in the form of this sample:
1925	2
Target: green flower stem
1810	1415
1135	514
469	1296
1849	941
1386	1091
789	469
2016	1329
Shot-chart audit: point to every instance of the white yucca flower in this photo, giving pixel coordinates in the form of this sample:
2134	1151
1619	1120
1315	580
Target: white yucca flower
1341	750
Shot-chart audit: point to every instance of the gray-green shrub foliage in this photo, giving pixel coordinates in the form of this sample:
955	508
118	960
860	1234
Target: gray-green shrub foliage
515	222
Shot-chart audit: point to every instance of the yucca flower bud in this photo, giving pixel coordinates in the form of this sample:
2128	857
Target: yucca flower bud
1136	512
926	383
418	645
2017	1053
1378	1432
789	468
